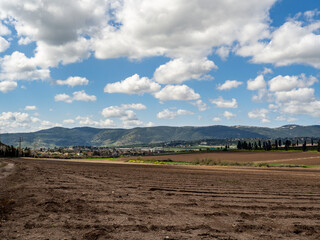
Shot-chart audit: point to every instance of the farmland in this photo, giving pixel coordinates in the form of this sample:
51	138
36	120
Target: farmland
103	199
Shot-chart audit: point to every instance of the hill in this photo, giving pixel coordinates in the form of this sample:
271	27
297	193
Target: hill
59	136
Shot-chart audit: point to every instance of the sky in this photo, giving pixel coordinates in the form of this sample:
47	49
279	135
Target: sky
143	63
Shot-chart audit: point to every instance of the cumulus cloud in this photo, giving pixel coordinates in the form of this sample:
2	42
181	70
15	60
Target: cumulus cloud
200	105
257	83
287	83
18	67
22	122
176	92
73	81
222	103
51	55
167	114
133	85
228	115
63	98
123	111
229	84
4	44
56	26
125	114
87	121
77	96
82	96
295	42
68	121
153	28
261	114
30	108
136	106
216	119
4	30
6	86
179	70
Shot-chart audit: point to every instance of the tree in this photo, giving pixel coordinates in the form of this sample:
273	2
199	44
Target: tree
239	145
287	145
276	144
304	146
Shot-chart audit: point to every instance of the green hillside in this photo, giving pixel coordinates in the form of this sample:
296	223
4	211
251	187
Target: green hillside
56	137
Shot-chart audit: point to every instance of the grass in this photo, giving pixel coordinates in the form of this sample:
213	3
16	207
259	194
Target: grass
109	159
211	162
166	162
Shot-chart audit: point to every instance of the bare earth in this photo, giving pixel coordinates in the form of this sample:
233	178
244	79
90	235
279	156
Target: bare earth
46	199
307	158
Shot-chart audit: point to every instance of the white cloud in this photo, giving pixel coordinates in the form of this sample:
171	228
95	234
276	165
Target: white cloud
200	105
133	85
6	86
68	121
30	108
287	83
18	67
24	41
4	44
51	55
216	119
223	52
221	103
73	81
4	30
132	123
261	114
295	107
295	42
228	115
153	28
77	96
176	92
167	114
266	71
56	26
179	70
136	106
257	83
302	95
22	122
287	119
149	124
82	96
123	111
229	84
63	98
118	112
87	121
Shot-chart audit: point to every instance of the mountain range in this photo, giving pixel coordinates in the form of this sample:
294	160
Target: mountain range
59	137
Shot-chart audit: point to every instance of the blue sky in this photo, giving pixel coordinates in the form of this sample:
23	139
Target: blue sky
125	64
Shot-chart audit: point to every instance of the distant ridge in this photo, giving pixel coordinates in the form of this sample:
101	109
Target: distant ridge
58	136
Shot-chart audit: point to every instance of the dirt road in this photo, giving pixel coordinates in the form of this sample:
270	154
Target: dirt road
69	200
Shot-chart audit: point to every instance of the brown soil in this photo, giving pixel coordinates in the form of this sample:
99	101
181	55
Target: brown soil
308	158
69	200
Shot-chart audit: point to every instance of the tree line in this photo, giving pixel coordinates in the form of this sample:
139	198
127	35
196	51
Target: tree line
11	151
278	144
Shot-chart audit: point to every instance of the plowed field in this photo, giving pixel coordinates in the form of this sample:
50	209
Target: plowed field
79	200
